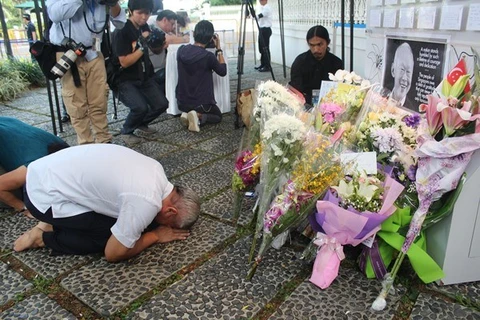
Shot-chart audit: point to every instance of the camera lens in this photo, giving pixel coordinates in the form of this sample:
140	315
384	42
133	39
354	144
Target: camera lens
64	63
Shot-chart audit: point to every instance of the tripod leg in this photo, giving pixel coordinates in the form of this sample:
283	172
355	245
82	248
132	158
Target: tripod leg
240	61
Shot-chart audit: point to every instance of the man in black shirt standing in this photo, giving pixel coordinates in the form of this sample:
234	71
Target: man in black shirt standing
311	67
137	89
30	31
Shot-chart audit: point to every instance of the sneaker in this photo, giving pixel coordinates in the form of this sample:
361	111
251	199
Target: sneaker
184	119
131	138
193	122
146	130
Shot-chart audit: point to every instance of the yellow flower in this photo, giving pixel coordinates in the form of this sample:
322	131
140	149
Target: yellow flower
373	116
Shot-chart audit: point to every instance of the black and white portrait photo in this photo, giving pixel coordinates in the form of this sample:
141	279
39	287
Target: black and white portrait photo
413	69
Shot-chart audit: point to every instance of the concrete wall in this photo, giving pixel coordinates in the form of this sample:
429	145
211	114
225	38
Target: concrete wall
295	43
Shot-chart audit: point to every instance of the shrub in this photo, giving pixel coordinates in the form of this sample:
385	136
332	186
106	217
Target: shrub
12	82
17	76
30	71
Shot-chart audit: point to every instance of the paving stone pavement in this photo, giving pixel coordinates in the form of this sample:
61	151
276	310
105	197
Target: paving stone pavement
204	276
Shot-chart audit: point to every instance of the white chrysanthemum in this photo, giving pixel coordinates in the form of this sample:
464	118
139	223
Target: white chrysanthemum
387	140
276	150
273	99
285	128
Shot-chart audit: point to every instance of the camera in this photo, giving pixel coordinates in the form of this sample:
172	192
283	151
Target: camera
156	39
74	51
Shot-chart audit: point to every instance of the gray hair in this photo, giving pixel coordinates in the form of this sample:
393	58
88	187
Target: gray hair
188	205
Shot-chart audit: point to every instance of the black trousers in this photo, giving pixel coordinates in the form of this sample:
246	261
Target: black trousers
264	47
210	112
81	234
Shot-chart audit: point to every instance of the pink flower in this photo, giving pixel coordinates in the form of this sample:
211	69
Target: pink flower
330	111
434	117
455	118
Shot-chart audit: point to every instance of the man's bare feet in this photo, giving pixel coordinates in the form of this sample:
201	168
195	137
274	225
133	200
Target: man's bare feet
29	240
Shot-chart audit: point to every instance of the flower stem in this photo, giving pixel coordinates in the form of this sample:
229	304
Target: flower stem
237	205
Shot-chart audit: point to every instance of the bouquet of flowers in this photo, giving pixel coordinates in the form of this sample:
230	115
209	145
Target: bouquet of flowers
391	132
349	215
273	99
339	108
282	140
317	168
375	260
443	153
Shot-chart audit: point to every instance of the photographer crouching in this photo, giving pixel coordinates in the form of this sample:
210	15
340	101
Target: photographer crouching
137	87
78	27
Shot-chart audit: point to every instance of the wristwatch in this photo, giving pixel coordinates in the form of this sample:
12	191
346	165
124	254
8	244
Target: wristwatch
218	51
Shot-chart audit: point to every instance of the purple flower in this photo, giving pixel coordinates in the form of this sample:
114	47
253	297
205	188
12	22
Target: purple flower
412	172
412	120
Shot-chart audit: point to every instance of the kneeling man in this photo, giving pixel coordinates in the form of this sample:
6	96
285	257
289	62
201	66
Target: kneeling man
102	198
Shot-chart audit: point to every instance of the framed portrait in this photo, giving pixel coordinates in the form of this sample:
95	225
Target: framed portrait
413	68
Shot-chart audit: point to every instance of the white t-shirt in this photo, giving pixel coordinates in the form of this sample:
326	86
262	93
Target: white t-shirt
111	180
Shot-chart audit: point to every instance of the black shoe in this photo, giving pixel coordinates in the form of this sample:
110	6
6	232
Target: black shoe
264	69
65	118
259	67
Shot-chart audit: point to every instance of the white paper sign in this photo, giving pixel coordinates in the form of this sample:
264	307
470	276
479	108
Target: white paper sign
390	2
326	87
359	162
426	17
390	18
375	18
406	18
473	21
374	3
451	18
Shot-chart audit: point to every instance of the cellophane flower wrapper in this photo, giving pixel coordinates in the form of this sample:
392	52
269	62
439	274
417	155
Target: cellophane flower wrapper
440	168
343	226
246	174
317	168
339	108
281	134
391	132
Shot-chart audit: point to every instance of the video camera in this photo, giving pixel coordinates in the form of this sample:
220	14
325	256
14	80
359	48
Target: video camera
74	51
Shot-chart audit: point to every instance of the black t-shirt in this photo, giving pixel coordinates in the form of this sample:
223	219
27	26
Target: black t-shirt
124	44
307	72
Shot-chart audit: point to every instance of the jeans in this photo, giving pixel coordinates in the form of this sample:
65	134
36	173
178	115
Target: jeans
160	78
145	101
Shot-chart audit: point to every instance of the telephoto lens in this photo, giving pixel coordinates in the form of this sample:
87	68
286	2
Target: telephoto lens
64	63
69	57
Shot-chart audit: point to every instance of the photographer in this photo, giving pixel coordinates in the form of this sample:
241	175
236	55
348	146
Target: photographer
166	20
195	66
81	24
137	88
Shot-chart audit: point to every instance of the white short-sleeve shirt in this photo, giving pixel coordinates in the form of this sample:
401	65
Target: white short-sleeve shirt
111	180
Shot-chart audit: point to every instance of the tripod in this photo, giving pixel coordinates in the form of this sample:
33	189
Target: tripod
246	10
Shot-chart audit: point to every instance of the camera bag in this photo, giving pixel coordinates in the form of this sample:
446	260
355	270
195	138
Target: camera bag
46	55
